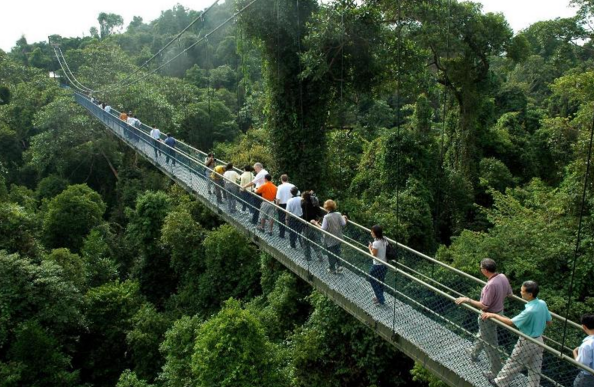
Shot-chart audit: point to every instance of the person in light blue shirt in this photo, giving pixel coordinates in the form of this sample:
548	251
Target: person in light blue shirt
527	353
585	353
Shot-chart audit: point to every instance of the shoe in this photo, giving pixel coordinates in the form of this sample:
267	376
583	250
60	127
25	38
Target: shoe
270	233
331	271
490	378
260	229
473	357
375	300
339	269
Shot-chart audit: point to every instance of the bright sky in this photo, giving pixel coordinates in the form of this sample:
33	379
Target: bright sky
36	19
522	13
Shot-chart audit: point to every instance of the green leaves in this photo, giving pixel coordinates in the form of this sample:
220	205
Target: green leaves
232	350
71	215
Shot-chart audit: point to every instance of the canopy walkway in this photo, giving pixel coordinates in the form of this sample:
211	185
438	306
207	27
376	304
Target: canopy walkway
419	317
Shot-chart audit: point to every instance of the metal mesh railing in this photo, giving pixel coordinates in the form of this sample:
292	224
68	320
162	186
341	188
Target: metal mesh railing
446	278
419	293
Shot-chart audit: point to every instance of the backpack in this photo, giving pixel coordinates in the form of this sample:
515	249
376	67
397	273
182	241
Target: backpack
391	252
314	200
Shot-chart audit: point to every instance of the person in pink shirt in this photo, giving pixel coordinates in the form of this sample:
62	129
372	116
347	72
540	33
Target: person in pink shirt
492	297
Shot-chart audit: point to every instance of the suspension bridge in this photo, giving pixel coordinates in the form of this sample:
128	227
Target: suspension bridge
419	317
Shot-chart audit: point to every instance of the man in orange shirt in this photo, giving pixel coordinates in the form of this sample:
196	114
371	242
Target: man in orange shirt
267	210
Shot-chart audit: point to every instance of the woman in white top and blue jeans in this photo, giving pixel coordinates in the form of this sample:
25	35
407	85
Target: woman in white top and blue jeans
378	271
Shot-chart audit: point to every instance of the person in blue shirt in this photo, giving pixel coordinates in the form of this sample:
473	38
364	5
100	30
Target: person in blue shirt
526	354
585	353
170	142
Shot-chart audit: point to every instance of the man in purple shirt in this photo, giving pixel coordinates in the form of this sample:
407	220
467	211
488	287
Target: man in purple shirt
492	297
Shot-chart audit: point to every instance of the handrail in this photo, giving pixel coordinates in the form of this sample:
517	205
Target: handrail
387	264
404	247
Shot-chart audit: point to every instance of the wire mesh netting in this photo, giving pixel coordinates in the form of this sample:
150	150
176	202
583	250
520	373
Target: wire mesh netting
413	297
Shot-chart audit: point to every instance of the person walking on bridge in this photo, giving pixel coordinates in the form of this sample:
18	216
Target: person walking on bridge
268	191
378	271
292	218
526	354
217	178
492	297
156	136
246	193
258	181
585	353
209	163
170	151
231	179
311	212
333	223
283	194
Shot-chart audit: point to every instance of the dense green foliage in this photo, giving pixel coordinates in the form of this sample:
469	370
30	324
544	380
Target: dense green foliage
433	119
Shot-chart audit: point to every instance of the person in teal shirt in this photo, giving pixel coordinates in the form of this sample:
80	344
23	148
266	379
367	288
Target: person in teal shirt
526	354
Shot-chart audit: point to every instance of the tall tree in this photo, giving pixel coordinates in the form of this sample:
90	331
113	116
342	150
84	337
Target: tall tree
109	23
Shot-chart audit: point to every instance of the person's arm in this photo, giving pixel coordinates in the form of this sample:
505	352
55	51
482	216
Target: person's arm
252	183
325	224
372	250
576	352
466	300
503	319
317	223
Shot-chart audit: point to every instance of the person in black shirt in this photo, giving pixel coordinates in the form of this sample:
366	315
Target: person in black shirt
310	233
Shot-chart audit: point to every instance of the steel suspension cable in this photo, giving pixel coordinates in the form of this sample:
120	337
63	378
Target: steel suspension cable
66	74
176	38
173	40
440	171
398	87
576	254
70	71
299	62
205	37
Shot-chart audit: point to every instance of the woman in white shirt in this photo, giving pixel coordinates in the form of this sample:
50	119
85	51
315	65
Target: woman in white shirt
378	271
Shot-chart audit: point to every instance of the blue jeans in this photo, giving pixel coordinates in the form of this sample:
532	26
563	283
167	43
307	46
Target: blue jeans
334	252
156	147
257	203
232	193
378	273
295	227
170	153
281	220
311	240
584	380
